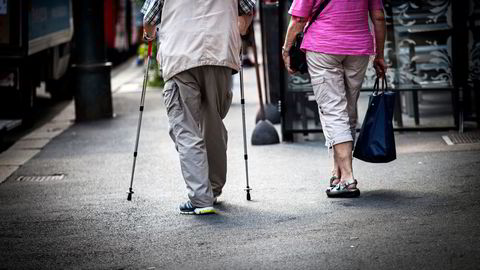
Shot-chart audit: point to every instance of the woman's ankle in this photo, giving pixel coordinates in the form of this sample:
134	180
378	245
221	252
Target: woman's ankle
349	182
347	177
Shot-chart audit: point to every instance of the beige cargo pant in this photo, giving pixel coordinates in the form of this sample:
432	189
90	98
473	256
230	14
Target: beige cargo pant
336	82
196	101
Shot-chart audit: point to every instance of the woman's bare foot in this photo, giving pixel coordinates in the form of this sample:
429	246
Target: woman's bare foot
334	180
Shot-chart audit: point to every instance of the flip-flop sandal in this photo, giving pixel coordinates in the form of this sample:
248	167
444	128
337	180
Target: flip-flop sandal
341	190
333	178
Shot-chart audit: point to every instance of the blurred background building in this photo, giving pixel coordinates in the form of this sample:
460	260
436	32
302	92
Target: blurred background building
67	47
432	51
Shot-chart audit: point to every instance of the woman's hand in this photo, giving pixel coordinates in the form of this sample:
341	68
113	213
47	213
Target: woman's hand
296	26
286	60
378	19
380	66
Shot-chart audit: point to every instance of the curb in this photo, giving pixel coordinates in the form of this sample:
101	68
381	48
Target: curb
31	144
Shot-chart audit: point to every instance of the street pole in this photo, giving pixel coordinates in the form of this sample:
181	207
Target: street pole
93	96
459	59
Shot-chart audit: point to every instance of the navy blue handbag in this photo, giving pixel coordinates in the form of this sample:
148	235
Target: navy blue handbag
376	141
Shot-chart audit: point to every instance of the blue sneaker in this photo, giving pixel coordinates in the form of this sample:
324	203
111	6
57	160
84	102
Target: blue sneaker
187	208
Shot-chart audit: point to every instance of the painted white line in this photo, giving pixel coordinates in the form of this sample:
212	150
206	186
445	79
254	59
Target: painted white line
447	140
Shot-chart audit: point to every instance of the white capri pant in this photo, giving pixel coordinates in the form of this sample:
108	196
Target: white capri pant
336	82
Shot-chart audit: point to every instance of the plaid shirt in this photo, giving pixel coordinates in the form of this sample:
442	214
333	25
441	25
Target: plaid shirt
152	10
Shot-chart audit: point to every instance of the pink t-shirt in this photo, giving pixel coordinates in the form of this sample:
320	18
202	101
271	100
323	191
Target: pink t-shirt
341	28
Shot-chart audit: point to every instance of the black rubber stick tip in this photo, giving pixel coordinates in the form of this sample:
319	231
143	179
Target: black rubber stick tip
130	192
248	195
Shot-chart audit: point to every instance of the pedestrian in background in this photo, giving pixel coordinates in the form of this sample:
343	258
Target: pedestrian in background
198	50
338	46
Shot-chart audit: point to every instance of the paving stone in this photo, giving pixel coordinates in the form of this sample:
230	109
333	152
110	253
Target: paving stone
15	157
42	135
67	115
129	87
6	171
30	144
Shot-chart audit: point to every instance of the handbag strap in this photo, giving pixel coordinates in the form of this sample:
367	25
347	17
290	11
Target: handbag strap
317	12
376	86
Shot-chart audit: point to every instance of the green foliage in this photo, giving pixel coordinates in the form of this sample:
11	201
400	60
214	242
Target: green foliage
156	79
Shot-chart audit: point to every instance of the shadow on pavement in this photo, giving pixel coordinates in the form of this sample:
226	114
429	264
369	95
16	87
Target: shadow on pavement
383	199
240	216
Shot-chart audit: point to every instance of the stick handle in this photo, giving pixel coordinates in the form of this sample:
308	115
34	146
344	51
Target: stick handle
150	48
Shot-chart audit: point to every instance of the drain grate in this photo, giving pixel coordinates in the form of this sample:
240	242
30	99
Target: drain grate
40	178
462	138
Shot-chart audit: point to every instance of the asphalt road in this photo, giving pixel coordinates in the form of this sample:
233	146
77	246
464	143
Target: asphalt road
418	212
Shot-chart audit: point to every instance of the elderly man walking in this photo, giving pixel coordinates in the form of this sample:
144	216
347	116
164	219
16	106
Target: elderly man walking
198	50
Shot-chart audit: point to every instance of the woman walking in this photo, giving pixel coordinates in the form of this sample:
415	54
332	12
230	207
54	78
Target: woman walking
338	46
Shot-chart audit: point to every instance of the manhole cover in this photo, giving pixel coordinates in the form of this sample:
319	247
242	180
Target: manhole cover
40	178
462	138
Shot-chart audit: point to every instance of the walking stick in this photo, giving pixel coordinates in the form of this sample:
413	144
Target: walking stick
142	102
242	101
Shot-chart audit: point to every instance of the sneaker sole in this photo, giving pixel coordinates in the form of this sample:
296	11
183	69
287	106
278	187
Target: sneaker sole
205	211
200	211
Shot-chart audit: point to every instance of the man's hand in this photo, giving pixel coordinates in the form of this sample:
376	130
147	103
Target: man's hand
380	66
148	32
243	23
148	38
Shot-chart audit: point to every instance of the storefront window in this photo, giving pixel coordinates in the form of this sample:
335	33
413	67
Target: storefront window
418	52
422	36
474	46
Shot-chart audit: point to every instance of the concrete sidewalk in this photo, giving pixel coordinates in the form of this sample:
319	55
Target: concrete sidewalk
418	212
